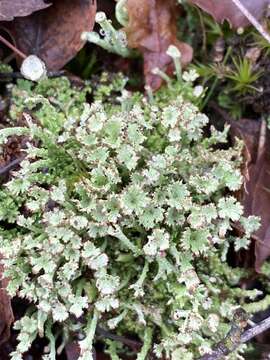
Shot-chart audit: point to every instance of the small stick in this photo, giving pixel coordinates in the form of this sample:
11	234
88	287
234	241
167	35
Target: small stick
256	330
252	19
5	169
17	75
232	340
235	338
134	345
12	47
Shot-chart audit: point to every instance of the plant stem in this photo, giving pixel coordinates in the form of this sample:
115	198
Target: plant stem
147	341
214	85
143	274
163	76
178	69
51	338
86	345
117	232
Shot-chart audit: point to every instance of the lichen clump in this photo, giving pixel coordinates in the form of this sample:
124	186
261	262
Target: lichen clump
120	216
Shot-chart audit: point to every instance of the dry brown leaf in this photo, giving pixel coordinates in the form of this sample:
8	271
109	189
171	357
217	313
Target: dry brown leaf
6	313
14	8
72	351
152	29
54	34
226	10
255	194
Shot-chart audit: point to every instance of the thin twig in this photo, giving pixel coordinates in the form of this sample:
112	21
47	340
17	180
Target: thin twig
5	169
134	345
234	339
252	19
12	47
17	75
256	330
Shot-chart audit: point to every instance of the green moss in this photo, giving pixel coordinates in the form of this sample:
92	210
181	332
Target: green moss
50	101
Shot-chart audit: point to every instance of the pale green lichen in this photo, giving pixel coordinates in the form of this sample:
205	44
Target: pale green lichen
120	216
109	38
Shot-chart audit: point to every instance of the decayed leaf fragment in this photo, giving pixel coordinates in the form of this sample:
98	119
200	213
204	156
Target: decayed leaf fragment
73	352
54	34
226	10
255	194
152	29
15	8
6	313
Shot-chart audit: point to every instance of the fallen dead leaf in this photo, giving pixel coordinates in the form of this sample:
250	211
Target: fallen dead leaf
53	34
151	29
226	10
72	351
11	9
255	195
6	313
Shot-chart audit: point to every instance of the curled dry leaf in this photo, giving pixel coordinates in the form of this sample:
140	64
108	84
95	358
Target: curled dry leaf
226	10
255	194
6	313
152	29
14	8
54	34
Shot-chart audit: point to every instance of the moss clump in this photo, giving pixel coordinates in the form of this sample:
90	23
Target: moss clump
123	221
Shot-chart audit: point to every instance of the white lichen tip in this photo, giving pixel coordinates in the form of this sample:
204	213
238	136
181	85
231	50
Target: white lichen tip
84	36
173	52
100	17
155	71
198	91
190	76
33	68
90	36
